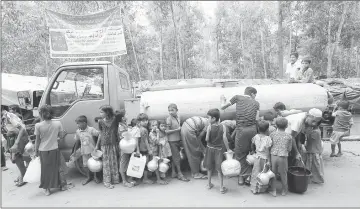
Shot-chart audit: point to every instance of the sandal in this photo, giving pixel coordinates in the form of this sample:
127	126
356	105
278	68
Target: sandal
20	184
223	190
332	155
86	181
210	186
182	178
128	184
109	186
339	154
148	181
200	176
47	192
97	180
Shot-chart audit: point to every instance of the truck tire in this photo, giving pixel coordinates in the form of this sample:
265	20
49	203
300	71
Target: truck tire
79	166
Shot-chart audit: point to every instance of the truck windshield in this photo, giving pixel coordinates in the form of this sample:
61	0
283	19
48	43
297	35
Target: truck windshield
73	85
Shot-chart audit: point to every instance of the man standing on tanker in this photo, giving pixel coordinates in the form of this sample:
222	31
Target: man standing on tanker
247	114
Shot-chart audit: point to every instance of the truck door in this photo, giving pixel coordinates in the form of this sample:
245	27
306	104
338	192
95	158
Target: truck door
75	91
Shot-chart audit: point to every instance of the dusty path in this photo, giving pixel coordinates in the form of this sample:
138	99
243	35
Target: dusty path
342	188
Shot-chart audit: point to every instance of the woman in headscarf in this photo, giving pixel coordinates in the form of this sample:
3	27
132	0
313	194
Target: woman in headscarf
193	131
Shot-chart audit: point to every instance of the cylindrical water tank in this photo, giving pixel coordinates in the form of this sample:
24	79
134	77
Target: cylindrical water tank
197	101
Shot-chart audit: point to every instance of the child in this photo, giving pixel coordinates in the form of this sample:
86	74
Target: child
281	146
85	134
124	157
269	117
306	74
46	146
260	144
154	138
314	161
164	146
342	125
281	111
173	134
108	127
216	139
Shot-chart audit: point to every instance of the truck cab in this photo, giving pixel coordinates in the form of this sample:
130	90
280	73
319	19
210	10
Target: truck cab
81	88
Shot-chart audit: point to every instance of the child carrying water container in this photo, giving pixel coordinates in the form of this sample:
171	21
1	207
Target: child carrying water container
261	144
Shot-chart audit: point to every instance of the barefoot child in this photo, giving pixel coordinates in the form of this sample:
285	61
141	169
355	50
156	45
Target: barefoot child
261	144
173	134
216	141
342	125
154	139
86	134
281	146
107	141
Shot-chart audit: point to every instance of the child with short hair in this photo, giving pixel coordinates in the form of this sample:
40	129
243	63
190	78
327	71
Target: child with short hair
164	146
124	157
216	142
281	146
341	128
154	138
269	117
281	110
314	161
86	134
173	134
108	141
260	144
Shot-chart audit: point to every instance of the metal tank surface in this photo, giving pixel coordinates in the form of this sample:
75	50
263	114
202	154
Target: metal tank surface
197	101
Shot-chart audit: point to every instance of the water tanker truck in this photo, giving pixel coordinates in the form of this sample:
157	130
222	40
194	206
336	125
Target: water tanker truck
81	88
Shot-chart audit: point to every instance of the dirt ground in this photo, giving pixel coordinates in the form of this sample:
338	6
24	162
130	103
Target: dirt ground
341	188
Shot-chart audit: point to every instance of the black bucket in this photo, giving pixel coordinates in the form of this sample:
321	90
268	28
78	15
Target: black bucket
298	179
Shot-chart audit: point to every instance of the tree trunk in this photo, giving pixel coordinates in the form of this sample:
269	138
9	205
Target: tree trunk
263	52
329	57
176	39
161	54
252	67
337	40
279	38
357	62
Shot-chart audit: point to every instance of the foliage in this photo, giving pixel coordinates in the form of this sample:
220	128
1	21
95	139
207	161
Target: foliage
179	39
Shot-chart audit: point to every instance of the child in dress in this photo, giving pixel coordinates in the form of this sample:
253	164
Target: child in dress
124	157
260	144
154	139
281	146
164	146
86	134
216	142
314	161
342	125
173	134
108	142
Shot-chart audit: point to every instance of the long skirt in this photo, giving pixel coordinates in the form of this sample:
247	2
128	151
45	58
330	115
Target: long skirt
110	165
194	149
314	162
50	169
243	147
257	168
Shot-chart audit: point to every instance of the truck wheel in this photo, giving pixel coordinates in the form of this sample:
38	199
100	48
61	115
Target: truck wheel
79	166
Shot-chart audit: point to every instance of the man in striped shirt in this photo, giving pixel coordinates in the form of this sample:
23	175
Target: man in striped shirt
247	114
